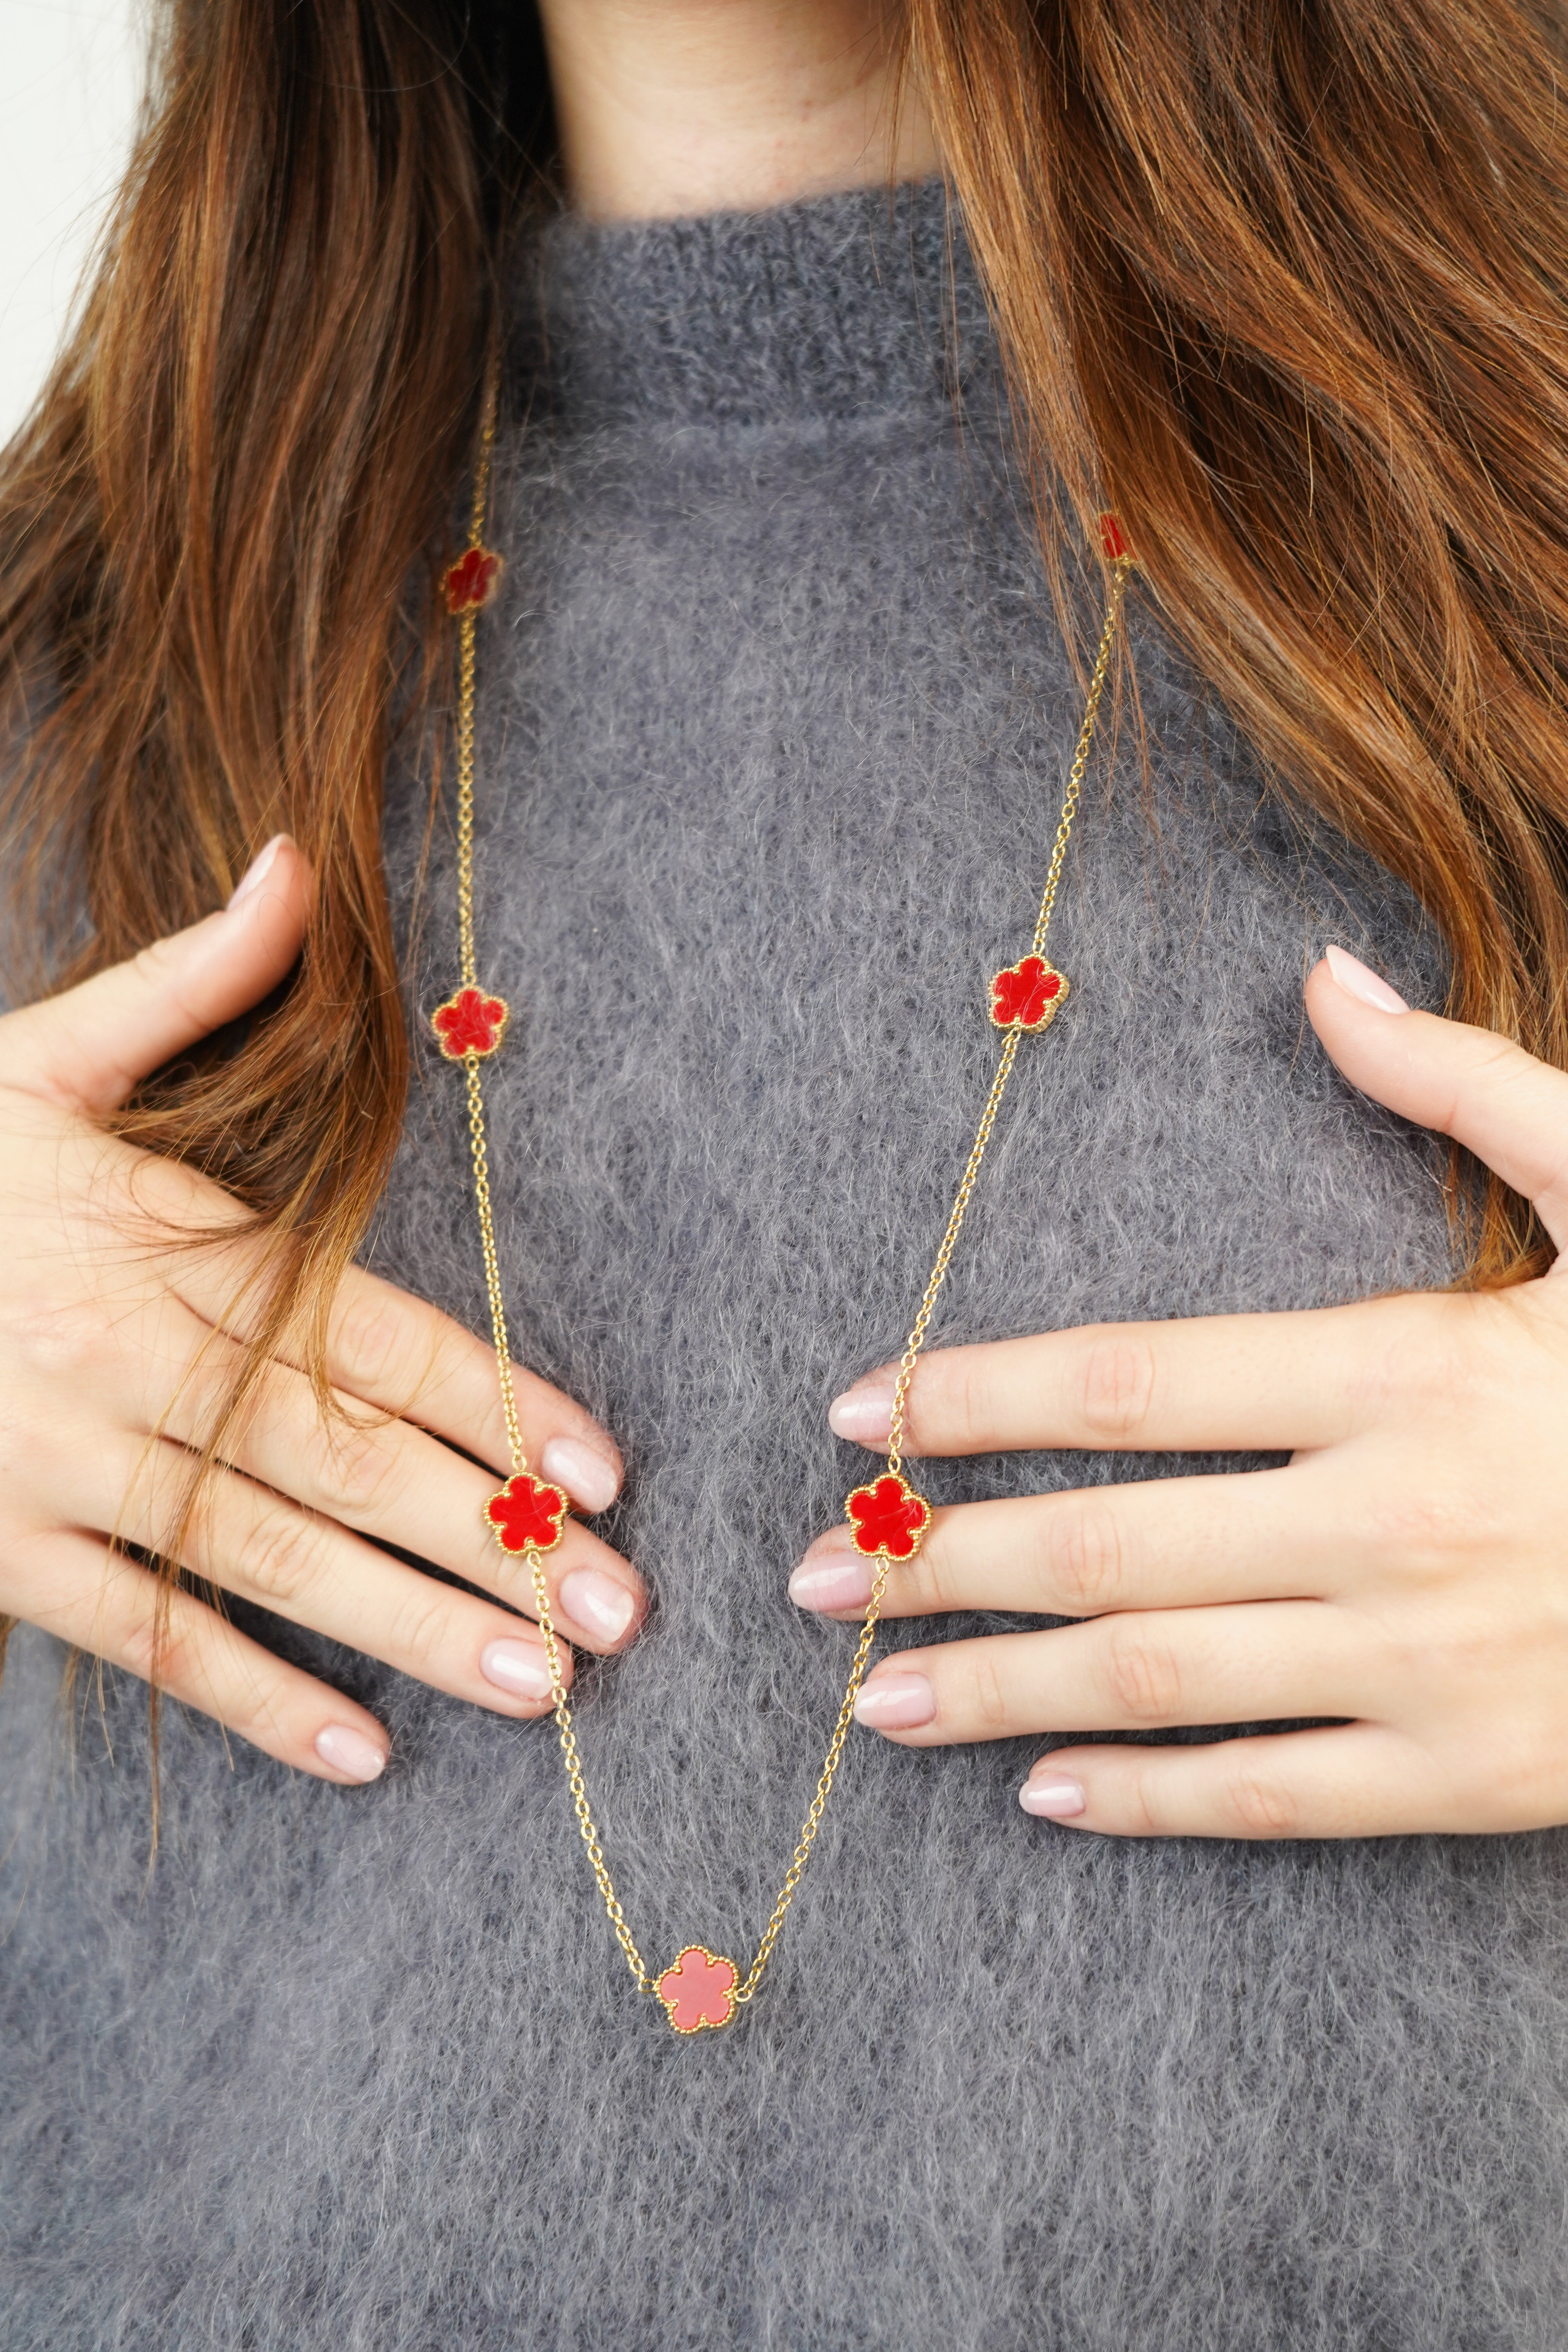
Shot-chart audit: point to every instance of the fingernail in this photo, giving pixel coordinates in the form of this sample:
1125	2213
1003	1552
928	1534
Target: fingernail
895	1703
514	1666
257	872
588	1475
350	1751
862	1412
1052	1797
1354	978
597	1603
830	1583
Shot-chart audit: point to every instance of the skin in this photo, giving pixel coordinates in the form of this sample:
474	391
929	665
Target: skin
674	107
114	1340
1407	1572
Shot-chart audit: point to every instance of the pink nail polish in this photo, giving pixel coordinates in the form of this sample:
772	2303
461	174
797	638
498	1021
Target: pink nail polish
517	1667
588	1476
257	872
347	1750
862	1412
829	1582
1354	978
597	1603
895	1703
1052	1797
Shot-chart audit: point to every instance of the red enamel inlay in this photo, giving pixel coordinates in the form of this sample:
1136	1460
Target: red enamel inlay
1113	538
473	580
469	1023
1024	993
698	1989
887	1516
527	1511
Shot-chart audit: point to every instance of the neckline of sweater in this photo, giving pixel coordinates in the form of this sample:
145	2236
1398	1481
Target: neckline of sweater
828	307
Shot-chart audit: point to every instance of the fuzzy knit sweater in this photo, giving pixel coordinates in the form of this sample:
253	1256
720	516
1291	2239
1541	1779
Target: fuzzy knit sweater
774	721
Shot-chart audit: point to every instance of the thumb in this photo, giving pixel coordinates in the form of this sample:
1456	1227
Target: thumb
1485	1091
89	1046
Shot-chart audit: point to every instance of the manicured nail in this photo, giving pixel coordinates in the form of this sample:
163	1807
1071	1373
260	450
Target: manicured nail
1052	1796
350	1751
832	1583
588	1476
895	1703
257	872
516	1667
597	1603
1356	981
862	1412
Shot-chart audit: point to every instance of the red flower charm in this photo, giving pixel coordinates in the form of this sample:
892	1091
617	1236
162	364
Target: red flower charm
1027	995
473	580
698	1989
469	1023
887	1517
1113	538
527	1511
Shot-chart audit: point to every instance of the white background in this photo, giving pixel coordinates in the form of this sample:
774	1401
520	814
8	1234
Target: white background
70	81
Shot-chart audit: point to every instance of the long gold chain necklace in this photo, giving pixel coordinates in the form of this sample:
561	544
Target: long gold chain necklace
888	1518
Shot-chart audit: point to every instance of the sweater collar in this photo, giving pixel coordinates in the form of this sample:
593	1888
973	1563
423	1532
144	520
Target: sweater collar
831	307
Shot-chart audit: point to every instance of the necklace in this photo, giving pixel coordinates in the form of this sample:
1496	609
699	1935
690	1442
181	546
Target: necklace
888	1518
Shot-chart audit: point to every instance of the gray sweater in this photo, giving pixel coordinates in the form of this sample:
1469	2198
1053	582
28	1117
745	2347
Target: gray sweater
774	719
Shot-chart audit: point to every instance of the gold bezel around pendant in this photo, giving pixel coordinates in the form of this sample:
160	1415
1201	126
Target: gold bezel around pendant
874	1490
473	580
1051	1004
494	1011
671	2003
540	1486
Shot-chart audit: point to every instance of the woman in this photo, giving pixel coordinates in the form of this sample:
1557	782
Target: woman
774	711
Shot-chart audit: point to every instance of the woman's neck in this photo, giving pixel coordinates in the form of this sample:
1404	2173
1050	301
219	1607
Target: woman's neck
674	107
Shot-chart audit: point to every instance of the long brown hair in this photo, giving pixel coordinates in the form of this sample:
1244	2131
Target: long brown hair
1285	281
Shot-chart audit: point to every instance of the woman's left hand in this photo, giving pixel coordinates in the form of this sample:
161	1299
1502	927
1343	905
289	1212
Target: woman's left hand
1406	1571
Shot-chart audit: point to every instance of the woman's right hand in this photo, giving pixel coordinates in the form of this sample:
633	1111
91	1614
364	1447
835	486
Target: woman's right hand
110	1329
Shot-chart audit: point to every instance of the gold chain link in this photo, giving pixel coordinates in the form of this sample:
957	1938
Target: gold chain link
492	1262
1080	756
921	1324
586	1826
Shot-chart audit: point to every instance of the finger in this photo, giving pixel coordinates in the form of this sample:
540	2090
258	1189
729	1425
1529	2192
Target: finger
384	1479
109	1607
90	1046
1357	1780
1146	1671
1157	1543
402	1356
1209	1383
306	1569
1485	1091
385	1346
